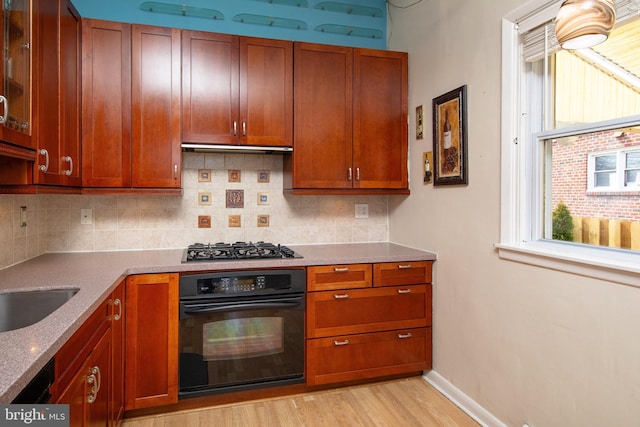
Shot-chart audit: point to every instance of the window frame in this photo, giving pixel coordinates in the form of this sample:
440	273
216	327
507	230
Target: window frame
522	171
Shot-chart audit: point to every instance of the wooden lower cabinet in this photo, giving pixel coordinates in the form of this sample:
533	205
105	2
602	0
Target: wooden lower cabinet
151	353
89	367
88	393
380	328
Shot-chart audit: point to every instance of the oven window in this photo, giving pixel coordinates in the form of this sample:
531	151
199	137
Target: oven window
242	338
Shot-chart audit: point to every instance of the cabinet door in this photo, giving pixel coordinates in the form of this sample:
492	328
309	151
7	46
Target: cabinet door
15	28
69	100
46	75
322	155
380	113
151	328
116	401
57	92
210	88
155	96
355	311
106	104
88	393
266	92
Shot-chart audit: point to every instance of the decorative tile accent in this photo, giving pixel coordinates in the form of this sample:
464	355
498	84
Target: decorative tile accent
204	175
235	199
235	221
264	176
263	220
263	198
235	175
204	199
204	221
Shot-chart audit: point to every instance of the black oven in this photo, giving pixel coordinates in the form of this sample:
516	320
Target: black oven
241	330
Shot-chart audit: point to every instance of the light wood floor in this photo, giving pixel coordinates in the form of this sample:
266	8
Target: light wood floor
404	403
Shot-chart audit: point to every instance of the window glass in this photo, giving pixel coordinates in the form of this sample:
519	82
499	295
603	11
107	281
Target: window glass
591	179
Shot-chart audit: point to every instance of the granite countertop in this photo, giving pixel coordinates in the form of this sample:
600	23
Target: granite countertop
23	352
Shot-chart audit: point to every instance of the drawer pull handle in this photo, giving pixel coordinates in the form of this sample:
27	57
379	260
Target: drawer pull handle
341	269
404	291
403	336
339	343
340	296
404	266
118	304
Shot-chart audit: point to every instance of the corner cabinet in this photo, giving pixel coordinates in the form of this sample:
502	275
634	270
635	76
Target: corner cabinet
351	131
131	106
89	367
151	352
356	311
236	90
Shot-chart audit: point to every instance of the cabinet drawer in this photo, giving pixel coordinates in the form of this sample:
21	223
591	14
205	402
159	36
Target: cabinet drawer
357	311
354	357
347	276
402	273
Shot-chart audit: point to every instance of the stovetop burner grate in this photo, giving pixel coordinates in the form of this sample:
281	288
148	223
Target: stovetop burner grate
236	251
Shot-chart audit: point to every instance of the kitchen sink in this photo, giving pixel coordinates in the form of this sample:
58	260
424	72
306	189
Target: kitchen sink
21	309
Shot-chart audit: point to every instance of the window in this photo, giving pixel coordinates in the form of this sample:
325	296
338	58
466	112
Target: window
616	171
571	146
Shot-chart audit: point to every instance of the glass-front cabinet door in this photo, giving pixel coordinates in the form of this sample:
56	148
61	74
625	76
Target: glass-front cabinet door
16	71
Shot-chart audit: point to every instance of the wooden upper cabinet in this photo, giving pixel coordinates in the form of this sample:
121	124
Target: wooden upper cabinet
380	129
155	97
106	104
266	92
57	93
236	90
351	131
210	87
322	156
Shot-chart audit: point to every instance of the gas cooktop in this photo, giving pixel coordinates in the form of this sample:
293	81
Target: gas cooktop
236	251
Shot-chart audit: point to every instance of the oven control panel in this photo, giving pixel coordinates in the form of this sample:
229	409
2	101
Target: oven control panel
262	282
231	285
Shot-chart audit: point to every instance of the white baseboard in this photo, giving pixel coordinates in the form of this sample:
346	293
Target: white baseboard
464	402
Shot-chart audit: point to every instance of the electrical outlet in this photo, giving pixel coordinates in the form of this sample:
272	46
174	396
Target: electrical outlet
362	210
86	216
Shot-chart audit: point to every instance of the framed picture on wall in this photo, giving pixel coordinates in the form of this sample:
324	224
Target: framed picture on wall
450	138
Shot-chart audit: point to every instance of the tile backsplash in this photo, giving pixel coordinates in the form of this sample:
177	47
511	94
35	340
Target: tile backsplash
125	222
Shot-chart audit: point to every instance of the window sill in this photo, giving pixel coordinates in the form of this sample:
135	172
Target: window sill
613	265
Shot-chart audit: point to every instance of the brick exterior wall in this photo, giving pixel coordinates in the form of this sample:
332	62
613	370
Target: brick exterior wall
569	179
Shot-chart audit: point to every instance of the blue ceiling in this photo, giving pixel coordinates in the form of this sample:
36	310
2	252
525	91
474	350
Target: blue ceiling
357	23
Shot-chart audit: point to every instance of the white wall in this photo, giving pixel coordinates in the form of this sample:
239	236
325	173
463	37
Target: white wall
528	344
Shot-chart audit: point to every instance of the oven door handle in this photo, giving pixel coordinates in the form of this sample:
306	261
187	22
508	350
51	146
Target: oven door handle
242	306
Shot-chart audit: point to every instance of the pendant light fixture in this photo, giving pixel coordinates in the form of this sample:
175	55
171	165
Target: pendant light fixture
584	23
